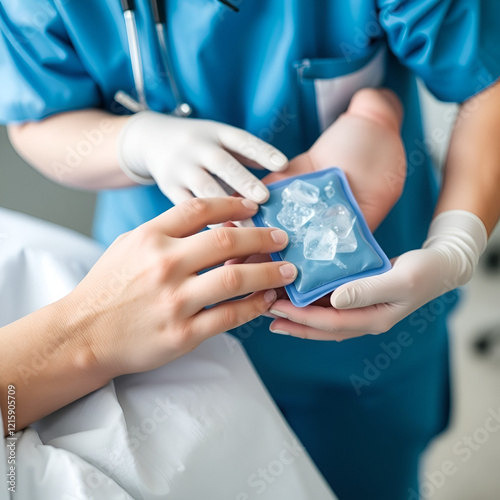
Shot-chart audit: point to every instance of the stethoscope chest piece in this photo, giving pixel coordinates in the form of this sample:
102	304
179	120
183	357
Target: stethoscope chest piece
183	110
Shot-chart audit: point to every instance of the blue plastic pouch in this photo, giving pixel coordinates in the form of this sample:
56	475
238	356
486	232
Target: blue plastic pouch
330	242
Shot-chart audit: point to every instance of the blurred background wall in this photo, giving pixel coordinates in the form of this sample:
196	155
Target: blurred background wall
25	190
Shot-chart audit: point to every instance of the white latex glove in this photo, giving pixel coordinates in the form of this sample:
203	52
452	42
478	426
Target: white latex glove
182	154
448	258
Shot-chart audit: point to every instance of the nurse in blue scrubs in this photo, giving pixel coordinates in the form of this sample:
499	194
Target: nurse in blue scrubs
261	80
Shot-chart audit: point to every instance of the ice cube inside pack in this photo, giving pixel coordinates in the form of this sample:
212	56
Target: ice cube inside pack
348	244
329	190
338	218
293	216
320	243
301	192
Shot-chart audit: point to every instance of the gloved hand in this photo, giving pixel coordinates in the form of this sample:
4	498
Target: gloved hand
448	258
180	154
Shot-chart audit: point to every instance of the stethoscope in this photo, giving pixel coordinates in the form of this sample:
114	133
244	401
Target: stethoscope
182	108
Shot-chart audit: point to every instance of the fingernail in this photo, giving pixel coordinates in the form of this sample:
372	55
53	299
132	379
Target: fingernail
279	160
288	271
270	296
278	313
280	332
250	204
341	300
279	236
260	193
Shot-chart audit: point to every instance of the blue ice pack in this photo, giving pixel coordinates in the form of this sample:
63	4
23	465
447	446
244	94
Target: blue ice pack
330	243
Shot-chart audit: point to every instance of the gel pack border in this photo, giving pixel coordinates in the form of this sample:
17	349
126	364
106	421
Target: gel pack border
330	242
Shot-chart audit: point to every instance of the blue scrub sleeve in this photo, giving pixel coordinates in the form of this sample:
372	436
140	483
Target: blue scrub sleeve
40	71
453	45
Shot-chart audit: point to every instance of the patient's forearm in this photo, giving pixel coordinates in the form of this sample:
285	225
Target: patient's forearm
47	363
366	143
472	172
76	148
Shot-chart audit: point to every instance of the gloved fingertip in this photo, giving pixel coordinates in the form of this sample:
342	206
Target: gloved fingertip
260	194
279	161
341	300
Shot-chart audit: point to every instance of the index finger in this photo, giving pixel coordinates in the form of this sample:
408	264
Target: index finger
259	153
192	216
373	319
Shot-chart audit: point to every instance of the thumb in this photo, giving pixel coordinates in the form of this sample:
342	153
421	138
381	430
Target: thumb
368	291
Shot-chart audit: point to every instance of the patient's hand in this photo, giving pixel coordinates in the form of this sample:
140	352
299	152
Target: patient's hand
366	143
143	304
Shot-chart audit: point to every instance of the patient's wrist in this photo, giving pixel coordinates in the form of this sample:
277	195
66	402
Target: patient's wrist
48	361
82	326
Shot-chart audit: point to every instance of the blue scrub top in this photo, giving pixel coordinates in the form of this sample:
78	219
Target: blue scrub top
257	69
265	69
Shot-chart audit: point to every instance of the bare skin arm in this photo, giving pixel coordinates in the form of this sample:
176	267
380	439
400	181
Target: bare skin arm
76	148
472	171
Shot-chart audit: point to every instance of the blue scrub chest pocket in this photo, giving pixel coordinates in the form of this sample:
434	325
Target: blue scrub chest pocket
330	242
326	85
